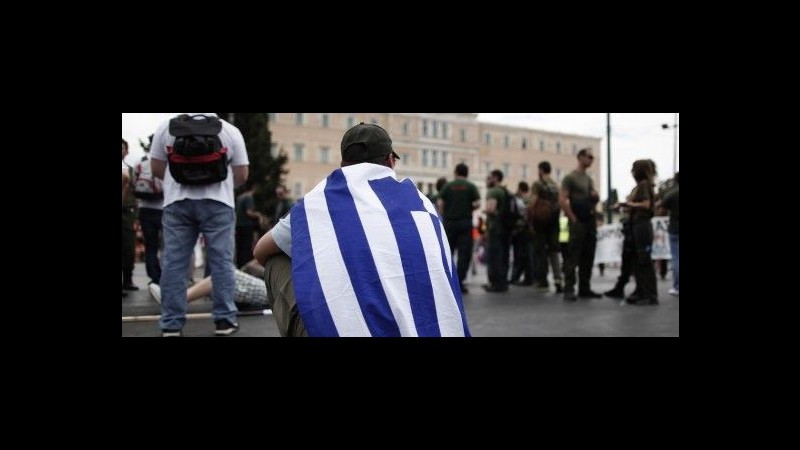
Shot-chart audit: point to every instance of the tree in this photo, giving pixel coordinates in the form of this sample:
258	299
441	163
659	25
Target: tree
266	172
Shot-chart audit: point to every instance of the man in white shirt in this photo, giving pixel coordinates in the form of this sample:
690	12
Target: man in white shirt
195	202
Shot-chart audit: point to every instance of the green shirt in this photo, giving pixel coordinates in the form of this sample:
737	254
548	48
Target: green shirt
458	196
493	225
671	203
579	187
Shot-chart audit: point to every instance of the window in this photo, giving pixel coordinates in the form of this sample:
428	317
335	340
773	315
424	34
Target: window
487	167
405	128
299	117
463	135
574	149
507	170
444	130
558	175
558	146
524	143
424	156
325	120
271	117
487	138
435	158
424	127
541	145
374	121
524	172
404	157
444	159
435	129
506	141
298	152
298	190
325	155
350	122
274	150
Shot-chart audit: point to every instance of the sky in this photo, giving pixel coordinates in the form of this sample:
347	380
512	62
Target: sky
633	136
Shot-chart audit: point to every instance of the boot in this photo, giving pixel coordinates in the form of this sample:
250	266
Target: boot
617	292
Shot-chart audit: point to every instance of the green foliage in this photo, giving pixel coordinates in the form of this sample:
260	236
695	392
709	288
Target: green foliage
266	172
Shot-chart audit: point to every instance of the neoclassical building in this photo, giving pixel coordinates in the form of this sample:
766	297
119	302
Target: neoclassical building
430	144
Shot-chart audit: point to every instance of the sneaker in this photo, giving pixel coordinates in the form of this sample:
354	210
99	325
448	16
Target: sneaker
225	328
615	293
589	294
130	287
673	291
171	333
570	296
155	292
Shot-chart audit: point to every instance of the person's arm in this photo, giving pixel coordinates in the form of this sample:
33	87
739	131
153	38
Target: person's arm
265	248
125	184
563	200
491	206
158	167
240	174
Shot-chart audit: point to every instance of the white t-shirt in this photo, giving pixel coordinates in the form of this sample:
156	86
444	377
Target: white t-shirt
222	192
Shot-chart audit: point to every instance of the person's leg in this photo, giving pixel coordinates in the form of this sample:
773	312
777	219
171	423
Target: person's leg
280	293
150	220
202	288
128	249
574	249
180	234
586	260
645	272
551	239
673	246
539	254
217	222
464	245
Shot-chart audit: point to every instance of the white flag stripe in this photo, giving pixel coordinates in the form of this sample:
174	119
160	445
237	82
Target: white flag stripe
447	311
338	290
382	244
432	209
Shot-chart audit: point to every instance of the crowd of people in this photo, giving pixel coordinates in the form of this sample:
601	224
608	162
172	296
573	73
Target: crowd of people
346	276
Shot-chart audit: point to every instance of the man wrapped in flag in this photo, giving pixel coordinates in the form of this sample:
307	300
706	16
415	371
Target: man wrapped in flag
362	254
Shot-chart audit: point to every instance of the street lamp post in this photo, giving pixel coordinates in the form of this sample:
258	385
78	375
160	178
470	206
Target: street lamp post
608	167
675	149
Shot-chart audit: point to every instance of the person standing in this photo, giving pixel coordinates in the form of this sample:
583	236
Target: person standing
671	203
282	207
128	219
456	202
150	192
546	231
207	159
578	198
641	202
247	222
498	236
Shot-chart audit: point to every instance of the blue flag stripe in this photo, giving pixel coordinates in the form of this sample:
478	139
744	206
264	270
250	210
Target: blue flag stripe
398	206
356	254
315	314
331	269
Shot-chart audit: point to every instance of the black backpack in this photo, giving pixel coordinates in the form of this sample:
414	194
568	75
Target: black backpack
197	157
511	211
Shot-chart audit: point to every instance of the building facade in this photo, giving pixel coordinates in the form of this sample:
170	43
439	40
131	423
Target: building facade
430	145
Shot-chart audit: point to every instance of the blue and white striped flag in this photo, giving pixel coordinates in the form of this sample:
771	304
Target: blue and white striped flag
370	258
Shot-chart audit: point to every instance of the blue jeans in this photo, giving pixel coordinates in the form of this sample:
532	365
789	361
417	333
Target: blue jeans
673	249
182	223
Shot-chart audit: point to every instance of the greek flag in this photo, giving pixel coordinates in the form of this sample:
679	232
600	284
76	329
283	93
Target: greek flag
370	258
